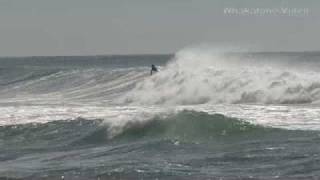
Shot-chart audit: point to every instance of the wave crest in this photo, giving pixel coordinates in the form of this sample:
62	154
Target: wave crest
189	126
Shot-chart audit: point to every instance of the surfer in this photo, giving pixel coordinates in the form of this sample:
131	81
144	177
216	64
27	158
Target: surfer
153	69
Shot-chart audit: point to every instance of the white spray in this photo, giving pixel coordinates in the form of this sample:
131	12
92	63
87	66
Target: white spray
198	76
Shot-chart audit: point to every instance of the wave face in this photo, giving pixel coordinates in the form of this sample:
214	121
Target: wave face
197	76
71	79
188	126
185	126
181	144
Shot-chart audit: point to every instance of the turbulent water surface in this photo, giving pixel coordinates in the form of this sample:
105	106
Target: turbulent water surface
206	114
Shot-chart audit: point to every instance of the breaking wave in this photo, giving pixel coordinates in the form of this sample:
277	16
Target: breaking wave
192	76
197	76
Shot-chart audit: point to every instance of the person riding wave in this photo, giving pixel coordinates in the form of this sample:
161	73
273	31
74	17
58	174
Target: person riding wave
153	69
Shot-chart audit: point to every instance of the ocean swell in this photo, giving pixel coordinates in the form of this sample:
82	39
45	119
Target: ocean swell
185	126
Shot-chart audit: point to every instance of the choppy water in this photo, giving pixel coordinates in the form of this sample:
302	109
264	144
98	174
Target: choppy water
206	114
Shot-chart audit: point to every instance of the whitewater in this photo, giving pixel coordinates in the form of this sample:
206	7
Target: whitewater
215	113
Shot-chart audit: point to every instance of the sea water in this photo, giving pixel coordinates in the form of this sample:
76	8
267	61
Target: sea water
206	114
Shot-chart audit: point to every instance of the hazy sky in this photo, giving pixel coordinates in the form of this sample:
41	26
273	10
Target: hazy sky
86	27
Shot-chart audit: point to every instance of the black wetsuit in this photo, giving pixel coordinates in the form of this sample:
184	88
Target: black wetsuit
153	68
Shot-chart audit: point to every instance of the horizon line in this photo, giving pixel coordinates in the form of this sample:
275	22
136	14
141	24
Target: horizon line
148	54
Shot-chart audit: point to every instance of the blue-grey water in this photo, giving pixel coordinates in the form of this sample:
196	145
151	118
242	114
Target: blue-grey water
204	115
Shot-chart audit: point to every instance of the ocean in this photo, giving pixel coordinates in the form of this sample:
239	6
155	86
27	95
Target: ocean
207	114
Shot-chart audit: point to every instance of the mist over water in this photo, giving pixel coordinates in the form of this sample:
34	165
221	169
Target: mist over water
209	112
